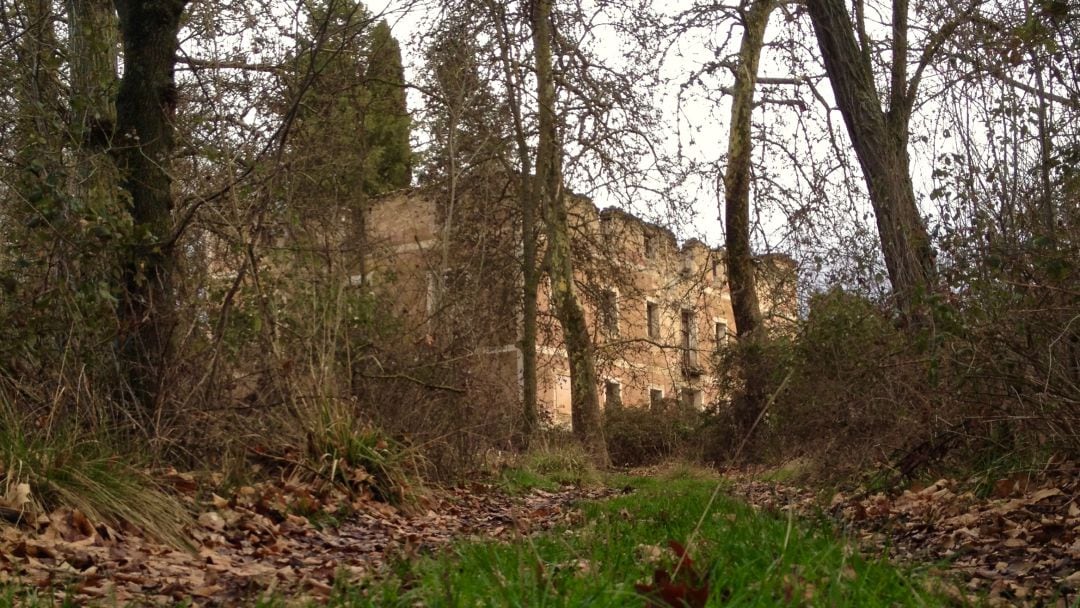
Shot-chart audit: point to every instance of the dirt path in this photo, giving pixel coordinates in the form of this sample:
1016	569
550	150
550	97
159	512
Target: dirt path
253	544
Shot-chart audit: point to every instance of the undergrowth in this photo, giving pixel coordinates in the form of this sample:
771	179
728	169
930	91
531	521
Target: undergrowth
43	468
345	449
548	467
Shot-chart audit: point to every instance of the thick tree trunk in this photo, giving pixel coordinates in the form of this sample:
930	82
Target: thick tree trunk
880	142
740	259
584	393
92	39
145	107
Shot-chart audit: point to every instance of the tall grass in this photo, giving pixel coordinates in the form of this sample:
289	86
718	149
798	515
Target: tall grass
63	465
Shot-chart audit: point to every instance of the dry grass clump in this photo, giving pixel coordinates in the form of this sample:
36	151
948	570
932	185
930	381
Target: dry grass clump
45	466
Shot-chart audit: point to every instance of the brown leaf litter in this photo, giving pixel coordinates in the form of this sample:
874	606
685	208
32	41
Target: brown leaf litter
1018	546
253	543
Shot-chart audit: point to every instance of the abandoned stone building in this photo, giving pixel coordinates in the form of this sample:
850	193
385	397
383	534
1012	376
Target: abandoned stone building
658	310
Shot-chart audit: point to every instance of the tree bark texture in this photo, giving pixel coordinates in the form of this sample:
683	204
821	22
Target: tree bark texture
880	140
92	39
145	107
530	287
740	259
527	201
584	393
38	132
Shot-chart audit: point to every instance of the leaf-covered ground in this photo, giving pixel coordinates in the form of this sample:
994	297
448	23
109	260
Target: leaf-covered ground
263	540
1017	545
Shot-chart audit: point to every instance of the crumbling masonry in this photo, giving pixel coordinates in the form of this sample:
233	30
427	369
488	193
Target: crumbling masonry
658	311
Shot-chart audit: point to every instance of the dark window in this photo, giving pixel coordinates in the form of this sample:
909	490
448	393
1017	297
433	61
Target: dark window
656	397
688	339
691	397
652	314
609	312
607	227
612	394
650	246
718	272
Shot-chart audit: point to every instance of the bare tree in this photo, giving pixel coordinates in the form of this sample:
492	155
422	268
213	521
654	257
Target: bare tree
740	258
585	399
880	137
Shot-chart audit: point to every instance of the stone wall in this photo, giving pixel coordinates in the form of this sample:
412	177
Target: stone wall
629	271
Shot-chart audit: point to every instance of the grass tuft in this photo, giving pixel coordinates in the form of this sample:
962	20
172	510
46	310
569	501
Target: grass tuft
46	468
549	468
349	451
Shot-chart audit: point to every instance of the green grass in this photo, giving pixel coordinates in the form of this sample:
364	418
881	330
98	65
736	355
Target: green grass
753	559
549	468
42	469
517	481
15	595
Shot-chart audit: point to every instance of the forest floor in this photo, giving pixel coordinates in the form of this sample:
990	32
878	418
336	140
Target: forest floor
1015	541
264	540
637	540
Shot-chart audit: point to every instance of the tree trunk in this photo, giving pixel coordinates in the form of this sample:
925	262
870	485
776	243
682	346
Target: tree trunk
584	393
92	39
880	142
528	202
740	259
38	132
145	107
530	286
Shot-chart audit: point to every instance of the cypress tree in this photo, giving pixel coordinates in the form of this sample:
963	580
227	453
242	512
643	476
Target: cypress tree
386	119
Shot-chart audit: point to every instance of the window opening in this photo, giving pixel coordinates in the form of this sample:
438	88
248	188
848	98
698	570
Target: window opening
650	246
688	339
612	394
721	334
609	312
692	398
652	315
656	397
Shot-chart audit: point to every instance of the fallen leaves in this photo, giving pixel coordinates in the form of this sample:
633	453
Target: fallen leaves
1020	546
254	542
683	587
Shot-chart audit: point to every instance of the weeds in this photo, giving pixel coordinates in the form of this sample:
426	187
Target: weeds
550	466
346	450
45	468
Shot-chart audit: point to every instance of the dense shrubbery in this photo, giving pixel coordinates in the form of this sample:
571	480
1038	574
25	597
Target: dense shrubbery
293	366
858	390
994	373
642	436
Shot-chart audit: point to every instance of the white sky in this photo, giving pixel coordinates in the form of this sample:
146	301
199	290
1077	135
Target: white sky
699	129
700	124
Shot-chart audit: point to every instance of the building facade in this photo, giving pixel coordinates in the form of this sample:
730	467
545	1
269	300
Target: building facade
658	310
